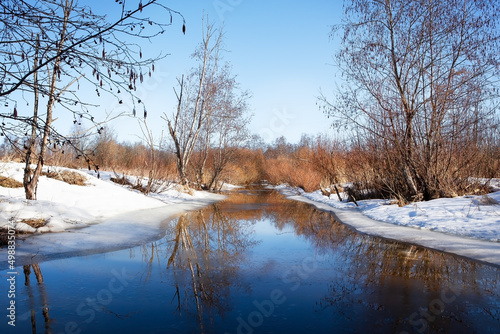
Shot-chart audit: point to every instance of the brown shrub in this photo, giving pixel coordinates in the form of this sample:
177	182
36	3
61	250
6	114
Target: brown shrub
73	178
295	172
307	179
7	182
34	222
246	168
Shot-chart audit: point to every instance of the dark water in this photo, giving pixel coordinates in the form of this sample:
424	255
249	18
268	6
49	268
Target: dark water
258	263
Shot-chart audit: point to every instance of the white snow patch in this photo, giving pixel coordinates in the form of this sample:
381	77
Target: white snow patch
94	218
229	186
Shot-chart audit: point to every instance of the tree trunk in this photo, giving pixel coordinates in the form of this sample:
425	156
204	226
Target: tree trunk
30	181
409	170
201	168
183	175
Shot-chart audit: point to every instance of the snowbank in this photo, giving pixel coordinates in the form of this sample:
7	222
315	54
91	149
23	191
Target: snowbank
468	226
100	216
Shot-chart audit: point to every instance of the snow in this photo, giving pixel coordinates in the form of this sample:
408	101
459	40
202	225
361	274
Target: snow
468	226
229	187
100	216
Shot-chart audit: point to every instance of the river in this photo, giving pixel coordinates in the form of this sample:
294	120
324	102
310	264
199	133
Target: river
257	263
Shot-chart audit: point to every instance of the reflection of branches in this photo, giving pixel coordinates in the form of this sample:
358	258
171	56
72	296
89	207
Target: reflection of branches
149	259
43	295
370	258
370	269
207	247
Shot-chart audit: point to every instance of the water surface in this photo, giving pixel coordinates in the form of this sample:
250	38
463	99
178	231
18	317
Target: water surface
258	263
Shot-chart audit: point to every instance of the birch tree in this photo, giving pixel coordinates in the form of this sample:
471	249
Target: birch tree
419	79
186	123
229	131
226	130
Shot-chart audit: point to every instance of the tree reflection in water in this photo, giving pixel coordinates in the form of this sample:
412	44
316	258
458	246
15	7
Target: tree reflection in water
393	286
43	296
205	254
378	286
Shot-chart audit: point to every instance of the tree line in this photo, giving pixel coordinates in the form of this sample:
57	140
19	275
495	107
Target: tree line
315	162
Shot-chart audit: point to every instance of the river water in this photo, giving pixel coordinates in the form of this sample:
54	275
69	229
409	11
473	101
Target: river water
257	263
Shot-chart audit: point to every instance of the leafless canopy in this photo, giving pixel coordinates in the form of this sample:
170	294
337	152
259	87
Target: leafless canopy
211	116
52	48
420	85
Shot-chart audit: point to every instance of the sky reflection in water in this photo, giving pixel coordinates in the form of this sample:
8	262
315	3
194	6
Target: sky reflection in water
258	263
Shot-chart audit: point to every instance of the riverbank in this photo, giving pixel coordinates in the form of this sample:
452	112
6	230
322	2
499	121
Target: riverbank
467	226
99	216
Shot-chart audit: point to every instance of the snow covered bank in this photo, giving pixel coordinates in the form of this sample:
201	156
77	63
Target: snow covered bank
468	226
100	216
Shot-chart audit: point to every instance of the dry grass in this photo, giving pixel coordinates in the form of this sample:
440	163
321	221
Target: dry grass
34	222
121	180
73	178
184	189
485	200
124	181
7	182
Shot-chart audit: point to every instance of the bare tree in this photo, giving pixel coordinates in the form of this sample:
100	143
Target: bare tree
226	130
420	81
49	47
186	124
230	131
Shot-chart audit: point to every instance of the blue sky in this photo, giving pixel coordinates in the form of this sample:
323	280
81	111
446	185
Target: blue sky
280	51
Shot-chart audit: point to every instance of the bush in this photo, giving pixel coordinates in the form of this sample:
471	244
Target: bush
73	178
294	172
7	182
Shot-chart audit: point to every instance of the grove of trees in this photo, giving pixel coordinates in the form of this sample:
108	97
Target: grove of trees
420	93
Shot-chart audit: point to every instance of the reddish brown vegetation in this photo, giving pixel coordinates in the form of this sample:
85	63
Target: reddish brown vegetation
371	171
